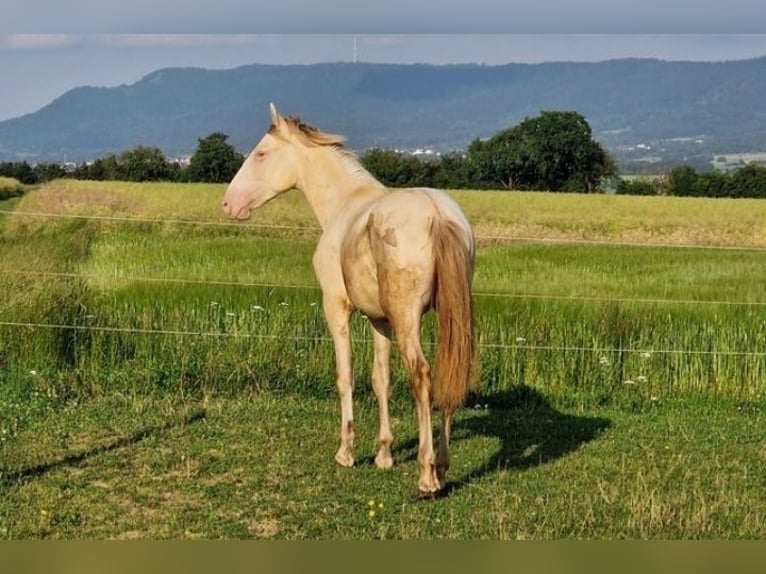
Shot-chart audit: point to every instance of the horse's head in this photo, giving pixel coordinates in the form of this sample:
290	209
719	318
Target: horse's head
270	169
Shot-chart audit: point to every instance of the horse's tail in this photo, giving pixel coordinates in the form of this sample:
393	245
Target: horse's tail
454	311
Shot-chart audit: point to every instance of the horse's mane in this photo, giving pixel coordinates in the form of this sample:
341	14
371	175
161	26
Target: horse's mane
312	136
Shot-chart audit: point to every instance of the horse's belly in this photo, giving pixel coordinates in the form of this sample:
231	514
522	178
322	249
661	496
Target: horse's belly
362	289
361	278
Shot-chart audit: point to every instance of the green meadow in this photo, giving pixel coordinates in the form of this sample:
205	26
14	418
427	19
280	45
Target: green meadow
165	373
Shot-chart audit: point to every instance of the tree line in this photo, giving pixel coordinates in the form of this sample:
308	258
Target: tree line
214	161
554	151
684	181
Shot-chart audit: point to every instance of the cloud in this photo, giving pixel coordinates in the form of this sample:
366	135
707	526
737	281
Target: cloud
37	41
52	41
175	40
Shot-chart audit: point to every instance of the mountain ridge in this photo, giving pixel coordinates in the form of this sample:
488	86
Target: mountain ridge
627	102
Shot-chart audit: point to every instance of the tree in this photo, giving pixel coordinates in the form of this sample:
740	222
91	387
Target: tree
49	171
713	184
554	151
682	181
748	181
453	172
20	171
397	169
144	163
104	169
637	187
215	161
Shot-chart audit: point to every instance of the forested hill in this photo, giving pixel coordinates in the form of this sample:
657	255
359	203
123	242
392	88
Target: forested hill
696	107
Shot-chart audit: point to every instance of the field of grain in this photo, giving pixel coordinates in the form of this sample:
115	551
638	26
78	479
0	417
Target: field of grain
172	373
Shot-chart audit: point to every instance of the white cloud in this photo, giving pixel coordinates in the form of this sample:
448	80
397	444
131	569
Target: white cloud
51	41
37	41
175	40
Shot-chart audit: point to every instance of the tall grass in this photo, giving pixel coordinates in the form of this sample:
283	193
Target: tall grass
587	324
168	367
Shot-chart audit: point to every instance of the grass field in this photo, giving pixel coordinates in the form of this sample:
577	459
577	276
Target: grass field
175	379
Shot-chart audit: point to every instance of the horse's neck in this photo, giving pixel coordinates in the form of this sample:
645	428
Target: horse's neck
330	184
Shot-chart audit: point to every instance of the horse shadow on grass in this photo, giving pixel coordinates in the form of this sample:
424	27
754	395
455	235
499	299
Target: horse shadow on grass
10	477
531	432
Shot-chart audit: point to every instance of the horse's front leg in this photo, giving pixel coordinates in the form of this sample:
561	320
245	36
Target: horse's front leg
337	312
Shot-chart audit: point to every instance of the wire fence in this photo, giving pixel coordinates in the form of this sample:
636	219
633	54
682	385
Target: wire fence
304	228
259	336
484	294
317	229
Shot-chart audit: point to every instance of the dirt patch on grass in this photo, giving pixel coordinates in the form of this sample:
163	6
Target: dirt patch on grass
71	197
266	528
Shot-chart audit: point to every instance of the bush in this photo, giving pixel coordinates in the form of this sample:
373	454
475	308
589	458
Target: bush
637	187
21	171
748	181
682	181
10	188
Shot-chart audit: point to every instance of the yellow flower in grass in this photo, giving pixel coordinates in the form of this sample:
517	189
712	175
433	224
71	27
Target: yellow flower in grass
371	506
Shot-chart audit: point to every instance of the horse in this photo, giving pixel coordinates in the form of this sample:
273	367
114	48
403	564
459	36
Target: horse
391	255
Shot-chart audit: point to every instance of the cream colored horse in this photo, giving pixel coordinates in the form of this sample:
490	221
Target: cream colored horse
390	255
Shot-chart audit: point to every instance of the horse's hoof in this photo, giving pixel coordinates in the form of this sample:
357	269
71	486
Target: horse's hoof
344	459
425	495
384	462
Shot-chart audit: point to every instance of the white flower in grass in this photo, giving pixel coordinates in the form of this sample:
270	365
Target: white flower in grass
33	373
646	355
230	314
642	379
258	308
604	361
214	303
284	304
521	340
629	382
314	303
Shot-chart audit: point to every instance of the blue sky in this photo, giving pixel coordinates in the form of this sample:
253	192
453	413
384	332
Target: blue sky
43	66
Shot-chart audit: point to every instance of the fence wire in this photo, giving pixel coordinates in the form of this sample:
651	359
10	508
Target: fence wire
258	336
316	229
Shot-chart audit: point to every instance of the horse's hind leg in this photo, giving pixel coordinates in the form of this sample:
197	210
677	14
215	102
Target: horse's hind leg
408	339
381	386
337	311
442	454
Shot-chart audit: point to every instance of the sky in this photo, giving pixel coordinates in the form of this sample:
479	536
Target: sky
43	66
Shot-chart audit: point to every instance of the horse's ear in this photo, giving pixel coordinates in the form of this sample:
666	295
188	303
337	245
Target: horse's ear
276	119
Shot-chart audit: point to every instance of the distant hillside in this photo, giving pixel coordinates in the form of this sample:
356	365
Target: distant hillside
669	108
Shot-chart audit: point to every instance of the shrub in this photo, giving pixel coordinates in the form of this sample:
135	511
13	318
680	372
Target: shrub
637	187
10	188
